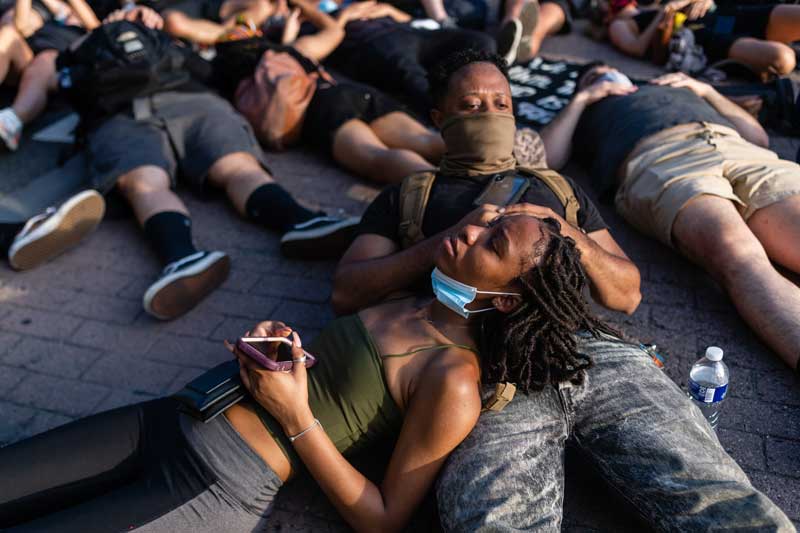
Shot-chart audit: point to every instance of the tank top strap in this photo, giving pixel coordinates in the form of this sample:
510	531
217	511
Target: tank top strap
428	348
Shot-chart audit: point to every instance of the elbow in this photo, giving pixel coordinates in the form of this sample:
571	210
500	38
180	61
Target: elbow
632	295
631	301
340	303
343	301
761	138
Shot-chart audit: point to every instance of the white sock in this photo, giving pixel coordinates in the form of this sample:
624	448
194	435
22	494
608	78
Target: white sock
10	127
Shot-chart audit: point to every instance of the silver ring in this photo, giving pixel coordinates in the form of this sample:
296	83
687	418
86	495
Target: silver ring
300	360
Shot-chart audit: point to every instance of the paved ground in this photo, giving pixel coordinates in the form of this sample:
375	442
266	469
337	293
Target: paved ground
74	339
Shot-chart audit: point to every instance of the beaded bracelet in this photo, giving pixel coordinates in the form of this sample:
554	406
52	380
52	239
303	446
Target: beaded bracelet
316	423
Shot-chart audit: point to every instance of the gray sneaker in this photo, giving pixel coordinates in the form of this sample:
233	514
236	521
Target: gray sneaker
184	283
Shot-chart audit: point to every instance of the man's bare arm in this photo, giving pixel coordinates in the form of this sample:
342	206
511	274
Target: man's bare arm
557	136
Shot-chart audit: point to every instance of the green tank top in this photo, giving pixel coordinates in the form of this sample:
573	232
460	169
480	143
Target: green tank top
347	391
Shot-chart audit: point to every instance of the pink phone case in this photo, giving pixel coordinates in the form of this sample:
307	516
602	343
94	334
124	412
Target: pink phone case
266	362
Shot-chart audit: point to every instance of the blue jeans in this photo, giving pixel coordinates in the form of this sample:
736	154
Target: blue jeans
638	428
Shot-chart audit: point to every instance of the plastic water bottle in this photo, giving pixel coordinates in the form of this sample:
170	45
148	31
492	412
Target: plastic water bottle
708	384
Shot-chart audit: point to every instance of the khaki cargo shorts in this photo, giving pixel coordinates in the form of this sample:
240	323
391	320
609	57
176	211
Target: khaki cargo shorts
667	170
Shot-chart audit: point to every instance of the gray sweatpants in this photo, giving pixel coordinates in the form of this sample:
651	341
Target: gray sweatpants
639	429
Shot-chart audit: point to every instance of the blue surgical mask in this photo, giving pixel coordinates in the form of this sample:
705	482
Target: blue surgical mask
456	295
615	76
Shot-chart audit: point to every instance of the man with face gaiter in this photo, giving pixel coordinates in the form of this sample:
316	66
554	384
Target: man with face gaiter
478	181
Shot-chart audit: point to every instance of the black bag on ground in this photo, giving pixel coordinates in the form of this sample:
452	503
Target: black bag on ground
116	63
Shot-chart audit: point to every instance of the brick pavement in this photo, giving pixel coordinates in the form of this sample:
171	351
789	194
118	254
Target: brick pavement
74	339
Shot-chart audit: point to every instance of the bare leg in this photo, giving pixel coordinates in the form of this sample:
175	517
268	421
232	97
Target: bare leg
767	58
357	148
434	9
399	130
777	227
199	31
38	80
15	54
710	231
239	174
148	191
784	24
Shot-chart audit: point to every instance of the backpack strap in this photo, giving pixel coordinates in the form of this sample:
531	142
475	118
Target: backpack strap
561	188
414	193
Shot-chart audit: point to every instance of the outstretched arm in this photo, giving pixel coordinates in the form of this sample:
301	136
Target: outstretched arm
319	45
746	124
557	136
442	409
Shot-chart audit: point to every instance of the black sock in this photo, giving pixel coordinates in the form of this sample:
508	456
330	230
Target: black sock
170	233
272	206
9	230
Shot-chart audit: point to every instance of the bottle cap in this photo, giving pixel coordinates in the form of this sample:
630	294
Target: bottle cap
714	354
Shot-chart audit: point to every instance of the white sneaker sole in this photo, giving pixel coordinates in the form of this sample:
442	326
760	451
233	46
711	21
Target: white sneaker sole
529	18
511	54
175	294
73	221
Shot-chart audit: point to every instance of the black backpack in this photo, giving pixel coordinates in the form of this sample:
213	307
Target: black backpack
116	63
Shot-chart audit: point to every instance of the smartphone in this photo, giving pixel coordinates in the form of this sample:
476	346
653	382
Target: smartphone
503	190
256	348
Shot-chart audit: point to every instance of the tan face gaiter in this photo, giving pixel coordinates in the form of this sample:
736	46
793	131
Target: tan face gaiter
477	144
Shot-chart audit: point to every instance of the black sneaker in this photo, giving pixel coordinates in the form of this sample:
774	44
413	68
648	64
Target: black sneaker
508	38
184	283
322	237
46	235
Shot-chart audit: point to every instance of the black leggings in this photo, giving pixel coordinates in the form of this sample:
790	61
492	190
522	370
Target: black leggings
107	472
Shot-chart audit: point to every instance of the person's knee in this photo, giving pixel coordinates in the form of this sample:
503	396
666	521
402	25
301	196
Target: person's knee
729	254
142	181
237	167
782	59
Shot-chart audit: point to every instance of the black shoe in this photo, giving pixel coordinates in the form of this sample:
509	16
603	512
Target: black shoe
322	237
184	283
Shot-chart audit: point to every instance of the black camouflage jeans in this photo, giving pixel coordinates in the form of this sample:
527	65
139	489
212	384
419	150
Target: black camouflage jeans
638	428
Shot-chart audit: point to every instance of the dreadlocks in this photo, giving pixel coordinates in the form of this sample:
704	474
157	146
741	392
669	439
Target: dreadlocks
535	344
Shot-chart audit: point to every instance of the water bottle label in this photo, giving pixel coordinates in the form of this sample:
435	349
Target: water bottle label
707	394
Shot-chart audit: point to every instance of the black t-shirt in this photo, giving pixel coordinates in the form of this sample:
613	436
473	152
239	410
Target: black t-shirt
452	198
610	129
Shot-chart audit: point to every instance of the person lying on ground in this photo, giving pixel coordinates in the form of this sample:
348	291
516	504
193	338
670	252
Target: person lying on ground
385	51
406	372
32	33
520	28
362	129
141	140
690	168
474	112
754	35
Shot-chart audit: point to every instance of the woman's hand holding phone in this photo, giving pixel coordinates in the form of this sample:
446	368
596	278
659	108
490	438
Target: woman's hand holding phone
283	394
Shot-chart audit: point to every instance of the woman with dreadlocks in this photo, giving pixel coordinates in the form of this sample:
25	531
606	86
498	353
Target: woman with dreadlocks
407	369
